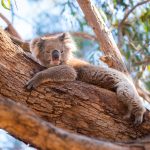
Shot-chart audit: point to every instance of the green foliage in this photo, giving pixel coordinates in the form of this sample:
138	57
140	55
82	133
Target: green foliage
6	4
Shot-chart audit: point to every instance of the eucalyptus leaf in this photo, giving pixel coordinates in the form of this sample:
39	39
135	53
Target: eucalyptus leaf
6	4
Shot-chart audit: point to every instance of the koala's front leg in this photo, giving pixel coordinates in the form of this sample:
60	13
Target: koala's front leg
53	74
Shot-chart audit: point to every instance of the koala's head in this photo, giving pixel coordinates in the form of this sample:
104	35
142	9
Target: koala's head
52	50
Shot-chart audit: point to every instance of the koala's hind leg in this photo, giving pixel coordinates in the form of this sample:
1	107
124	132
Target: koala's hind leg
127	94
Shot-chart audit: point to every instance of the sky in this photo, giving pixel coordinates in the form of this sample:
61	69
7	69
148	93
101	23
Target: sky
25	12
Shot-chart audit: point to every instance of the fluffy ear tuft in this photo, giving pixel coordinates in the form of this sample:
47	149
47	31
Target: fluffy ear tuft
40	43
36	46
37	42
64	36
68	42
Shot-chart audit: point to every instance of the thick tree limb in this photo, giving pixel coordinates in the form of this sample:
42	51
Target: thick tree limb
104	36
74	106
21	122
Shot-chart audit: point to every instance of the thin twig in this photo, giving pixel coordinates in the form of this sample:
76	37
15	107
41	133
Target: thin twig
84	35
132	9
144	62
123	20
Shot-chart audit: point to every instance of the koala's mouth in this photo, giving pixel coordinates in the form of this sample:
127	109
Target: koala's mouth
55	61
55	57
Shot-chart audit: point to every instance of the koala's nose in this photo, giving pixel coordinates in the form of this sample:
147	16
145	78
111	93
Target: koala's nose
55	54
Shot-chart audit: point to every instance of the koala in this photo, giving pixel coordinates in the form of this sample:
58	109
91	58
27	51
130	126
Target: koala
56	54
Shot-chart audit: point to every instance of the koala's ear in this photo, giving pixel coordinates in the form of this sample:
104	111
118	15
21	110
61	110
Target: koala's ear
37	46
64	36
40	43
37	42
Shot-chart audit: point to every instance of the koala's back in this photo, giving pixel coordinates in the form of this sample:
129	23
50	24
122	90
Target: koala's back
107	78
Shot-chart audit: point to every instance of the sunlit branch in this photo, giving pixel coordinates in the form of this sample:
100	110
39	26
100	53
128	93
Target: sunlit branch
10	27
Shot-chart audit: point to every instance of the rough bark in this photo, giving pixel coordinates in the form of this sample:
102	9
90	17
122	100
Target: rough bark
104	36
75	106
23	123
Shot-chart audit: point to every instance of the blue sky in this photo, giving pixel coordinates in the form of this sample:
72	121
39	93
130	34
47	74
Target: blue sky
28	11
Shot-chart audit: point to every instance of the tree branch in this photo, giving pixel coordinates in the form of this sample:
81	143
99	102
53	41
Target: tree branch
84	35
25	125
104	36
132	9
10	29
23	44
144	62
124	19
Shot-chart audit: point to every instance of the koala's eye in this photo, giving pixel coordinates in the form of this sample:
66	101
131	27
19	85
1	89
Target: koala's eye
62	51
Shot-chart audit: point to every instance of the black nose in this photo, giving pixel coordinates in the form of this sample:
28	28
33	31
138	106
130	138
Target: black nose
55	54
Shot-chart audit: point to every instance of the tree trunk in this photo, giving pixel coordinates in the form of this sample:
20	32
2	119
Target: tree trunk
107	44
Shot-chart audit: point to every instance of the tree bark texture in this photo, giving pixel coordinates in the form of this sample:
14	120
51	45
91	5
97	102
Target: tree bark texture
75	106
104	36
22	123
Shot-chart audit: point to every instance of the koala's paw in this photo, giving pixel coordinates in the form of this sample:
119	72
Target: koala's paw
127	116
31	84
139	116
138	120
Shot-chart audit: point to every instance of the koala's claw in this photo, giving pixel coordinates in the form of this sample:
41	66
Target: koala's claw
32	84
127	116
138	120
